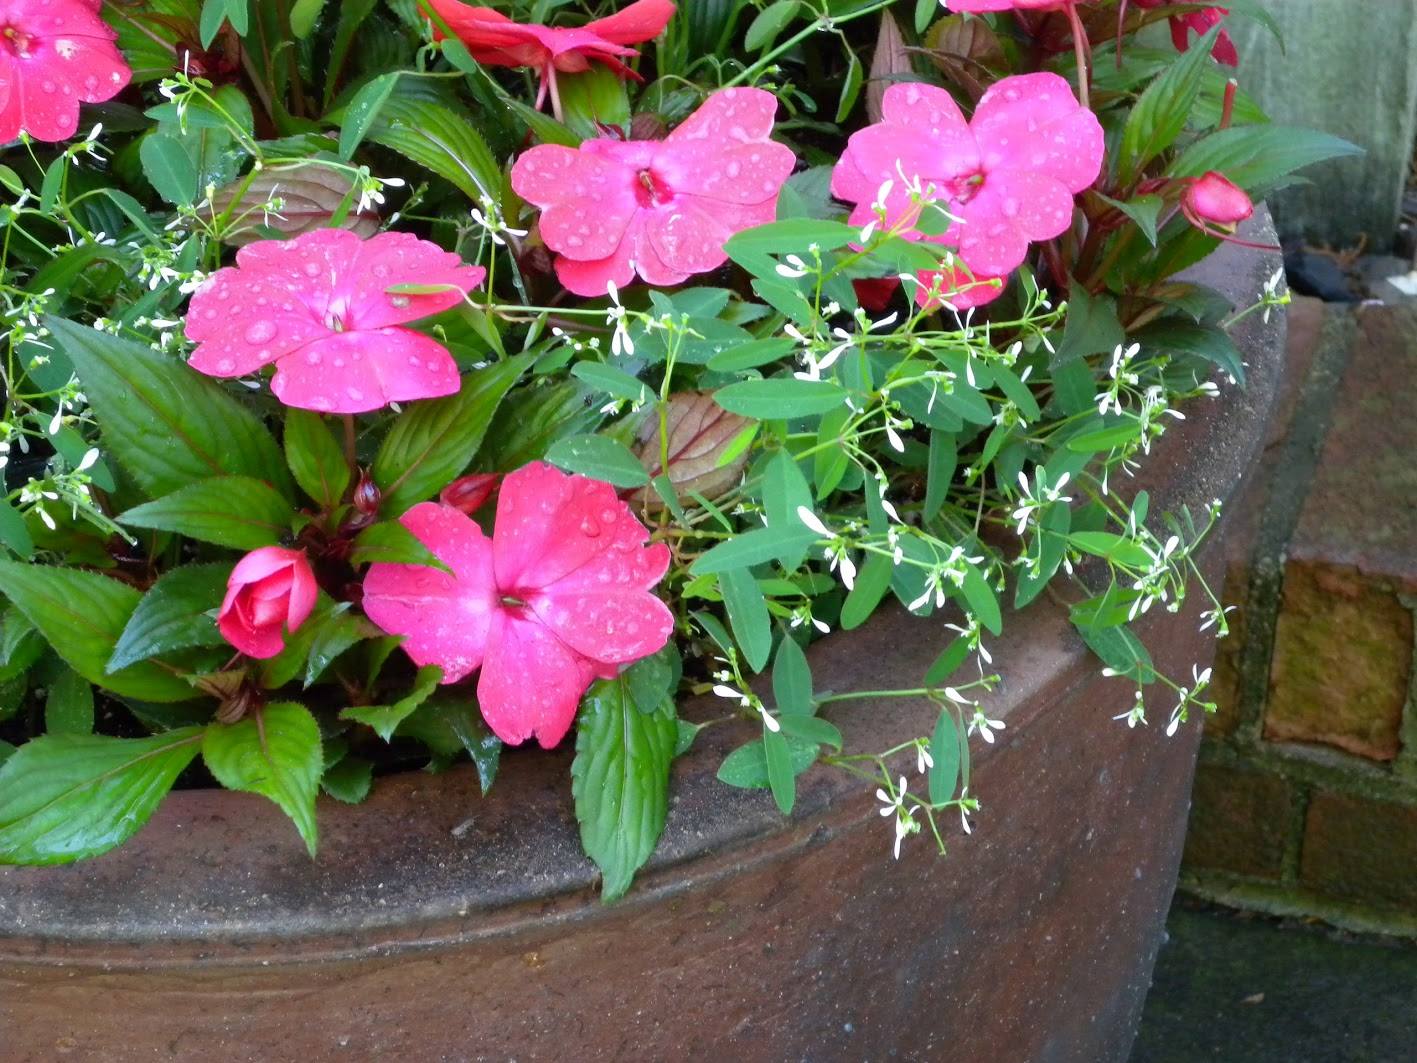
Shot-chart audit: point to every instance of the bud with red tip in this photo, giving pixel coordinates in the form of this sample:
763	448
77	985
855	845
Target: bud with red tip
1214	201
467	493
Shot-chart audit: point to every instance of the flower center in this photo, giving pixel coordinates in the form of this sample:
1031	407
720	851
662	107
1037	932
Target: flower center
652	192
337	316
513	602
17	41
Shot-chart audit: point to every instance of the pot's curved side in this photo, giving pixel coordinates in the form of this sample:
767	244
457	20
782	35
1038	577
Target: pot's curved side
437	925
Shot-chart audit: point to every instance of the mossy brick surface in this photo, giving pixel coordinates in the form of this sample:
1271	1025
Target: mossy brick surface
1361	850
1342	661
1238	823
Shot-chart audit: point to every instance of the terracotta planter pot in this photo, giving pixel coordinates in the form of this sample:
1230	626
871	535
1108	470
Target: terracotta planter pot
436	925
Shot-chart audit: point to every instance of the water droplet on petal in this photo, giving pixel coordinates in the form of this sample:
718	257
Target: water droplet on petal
260	332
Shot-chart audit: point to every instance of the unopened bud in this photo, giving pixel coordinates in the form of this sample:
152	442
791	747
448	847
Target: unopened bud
467	493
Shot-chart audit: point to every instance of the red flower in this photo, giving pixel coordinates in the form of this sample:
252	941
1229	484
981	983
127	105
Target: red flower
659	208
1200	22
1214	201
270	591
319	308
559	596
54	55
495	40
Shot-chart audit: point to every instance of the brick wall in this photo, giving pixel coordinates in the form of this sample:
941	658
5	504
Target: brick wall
1305	799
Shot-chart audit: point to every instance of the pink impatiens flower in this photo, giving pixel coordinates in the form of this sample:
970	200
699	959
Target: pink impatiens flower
269	593
660	208
54	55
495	40
319	309
559	596
1009	174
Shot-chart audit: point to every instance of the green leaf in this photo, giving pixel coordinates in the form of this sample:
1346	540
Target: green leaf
947	663
274	752
850	87
336	631
792	680
1144	210
451	717
443	140
811	729
432	442
780	398
782	780
303	16
215	12
980	598
66	797
1111	546
363	110
169	167
1092	327
315	458
173	615
1210	342
747	615
235	511
770	21
385	719
1119	649
612	380
599	457
747	767
1049	545
13	532
1161	114
750	355
391	543
82	615
1259	157
872	582
68	707
752	548
620	780
167	424
944	752
943	460
348	780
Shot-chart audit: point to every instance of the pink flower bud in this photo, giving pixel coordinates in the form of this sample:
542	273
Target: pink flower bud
270	591
1213	199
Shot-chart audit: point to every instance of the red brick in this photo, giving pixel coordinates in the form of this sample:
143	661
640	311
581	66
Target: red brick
1342	658
1361	509
1361	850
1239	821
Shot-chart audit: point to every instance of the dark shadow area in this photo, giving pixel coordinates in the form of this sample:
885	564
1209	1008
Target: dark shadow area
1251	989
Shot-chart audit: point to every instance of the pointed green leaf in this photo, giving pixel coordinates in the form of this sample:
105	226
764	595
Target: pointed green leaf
620	780
315	458
236	511
274	752
65	797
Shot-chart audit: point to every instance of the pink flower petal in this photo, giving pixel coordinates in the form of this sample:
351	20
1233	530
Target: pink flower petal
729	116
531	683
550	524
924	107
352	372
57	55
592	278
612	627
242	321
444	617
393	258
739	173
641	21
1033	122
1013	209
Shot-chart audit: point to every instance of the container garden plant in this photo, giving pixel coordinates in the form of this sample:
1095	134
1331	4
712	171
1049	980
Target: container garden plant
817	407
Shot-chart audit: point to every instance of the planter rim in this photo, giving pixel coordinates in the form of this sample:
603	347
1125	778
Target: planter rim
426	861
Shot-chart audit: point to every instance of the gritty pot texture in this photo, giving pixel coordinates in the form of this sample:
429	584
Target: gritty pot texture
439	925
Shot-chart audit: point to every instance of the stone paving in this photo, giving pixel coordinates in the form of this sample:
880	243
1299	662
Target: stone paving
1249	989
